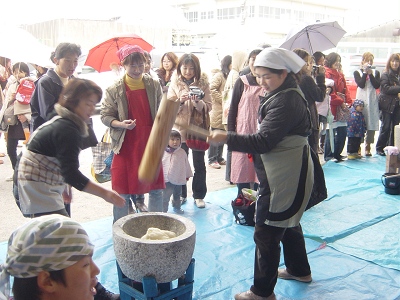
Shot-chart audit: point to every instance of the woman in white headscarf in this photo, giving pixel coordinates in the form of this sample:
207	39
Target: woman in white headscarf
285	172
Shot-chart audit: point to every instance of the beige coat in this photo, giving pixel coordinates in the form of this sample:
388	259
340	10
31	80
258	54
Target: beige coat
217	87
115	106
238	63
178	88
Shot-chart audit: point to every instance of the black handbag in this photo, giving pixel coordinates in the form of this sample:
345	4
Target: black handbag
387	103
244	210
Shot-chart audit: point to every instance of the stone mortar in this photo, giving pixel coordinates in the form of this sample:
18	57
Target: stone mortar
166	260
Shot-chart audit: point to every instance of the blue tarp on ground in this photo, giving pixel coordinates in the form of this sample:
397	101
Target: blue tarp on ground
352	238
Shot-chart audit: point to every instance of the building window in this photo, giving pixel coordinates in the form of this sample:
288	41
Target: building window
191	16
251	11
207	15
229	13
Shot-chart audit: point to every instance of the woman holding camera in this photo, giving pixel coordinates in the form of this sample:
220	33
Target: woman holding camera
314	91
191	87
368	81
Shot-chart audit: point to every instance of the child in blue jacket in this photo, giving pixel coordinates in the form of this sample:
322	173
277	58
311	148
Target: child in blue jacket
356	128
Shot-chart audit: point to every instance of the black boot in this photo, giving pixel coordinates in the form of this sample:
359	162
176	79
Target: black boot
103	294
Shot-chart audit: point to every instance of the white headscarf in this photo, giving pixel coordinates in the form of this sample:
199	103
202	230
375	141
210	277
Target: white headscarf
279	59
47	243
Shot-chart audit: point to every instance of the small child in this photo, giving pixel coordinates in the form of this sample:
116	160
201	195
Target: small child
356	128
176	171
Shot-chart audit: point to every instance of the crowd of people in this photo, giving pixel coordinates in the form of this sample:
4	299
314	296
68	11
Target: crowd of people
275	109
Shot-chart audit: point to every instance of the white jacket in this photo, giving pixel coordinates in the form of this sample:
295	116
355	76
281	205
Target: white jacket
176	167
322	107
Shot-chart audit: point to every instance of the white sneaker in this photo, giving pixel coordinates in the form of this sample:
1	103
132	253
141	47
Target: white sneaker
9	178
200	203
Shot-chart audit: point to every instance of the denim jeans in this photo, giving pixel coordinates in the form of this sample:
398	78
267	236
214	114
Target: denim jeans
155	201
127	209
215	152
171	189
339	134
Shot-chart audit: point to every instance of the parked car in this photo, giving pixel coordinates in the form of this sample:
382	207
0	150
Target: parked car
352	65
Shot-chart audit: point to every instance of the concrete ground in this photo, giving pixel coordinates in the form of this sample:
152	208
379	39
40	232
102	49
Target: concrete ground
85	207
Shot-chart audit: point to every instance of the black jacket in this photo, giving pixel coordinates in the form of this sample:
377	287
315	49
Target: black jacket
63	140
287	114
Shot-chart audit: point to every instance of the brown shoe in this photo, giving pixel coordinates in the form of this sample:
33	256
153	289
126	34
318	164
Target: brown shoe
284	274
249	295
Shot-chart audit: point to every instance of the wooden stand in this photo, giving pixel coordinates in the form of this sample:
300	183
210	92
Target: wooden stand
392	164
149	289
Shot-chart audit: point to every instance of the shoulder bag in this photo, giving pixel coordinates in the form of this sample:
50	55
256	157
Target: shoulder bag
9	118
387	103
102	159
342	114
195	141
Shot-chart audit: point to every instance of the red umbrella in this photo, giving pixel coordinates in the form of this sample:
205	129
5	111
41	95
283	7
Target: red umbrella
103	55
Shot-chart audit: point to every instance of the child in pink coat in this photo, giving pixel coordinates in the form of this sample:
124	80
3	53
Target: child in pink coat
177	171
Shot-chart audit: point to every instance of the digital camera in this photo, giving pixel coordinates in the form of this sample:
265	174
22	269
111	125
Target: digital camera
196	91
370	67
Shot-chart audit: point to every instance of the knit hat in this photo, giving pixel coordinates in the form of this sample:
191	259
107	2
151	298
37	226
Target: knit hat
124	51
47	243
21	109
358	102
279	59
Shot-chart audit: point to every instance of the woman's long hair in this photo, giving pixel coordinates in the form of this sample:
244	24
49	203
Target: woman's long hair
225	63
396	57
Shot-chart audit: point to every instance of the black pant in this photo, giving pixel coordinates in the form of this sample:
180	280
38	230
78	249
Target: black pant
267	255
386	132
353	144
12	145
199	186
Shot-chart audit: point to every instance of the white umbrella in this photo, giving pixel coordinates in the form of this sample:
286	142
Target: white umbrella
315	37
19	45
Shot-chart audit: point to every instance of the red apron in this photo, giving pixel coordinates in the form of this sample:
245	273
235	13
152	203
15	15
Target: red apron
125	165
